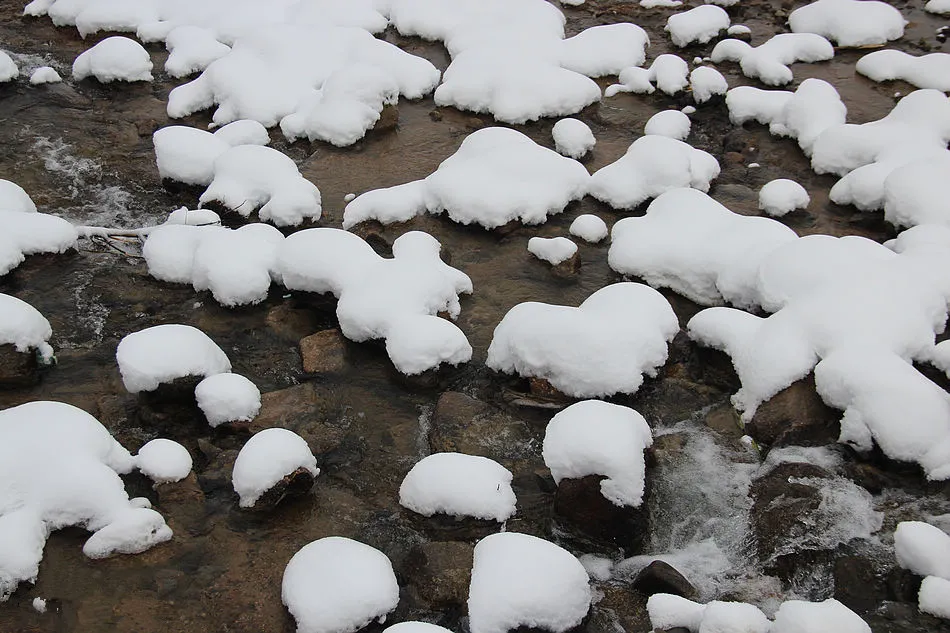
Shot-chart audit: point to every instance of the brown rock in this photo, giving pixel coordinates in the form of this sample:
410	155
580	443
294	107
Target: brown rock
304	410
290	323
296	484
463	424
795	416
388	118
858	584
569	267
17	369
183	503
661	577
725	420
323	352
439	574
579	503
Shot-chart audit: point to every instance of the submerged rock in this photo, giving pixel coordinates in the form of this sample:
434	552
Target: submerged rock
579	503
463	424
439	574
17	369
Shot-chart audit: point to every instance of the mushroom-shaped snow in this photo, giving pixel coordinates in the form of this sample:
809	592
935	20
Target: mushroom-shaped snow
267	458
22	326
589	228
163	461
459	485
164	353
228	398
114	58
338	585
60	467
600	348
669	123
599	438
521	580
572	138
781	196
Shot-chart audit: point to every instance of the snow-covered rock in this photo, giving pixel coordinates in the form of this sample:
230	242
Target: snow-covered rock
922	548
265	459
934	597
191	49
496	176
163	461
669	123
940	7
521	580
338	585
849	22
14	198
668	73
572	138
163	353
24	232
782	196
193	217
22	326
600	348
553	250
706	82
115	58
459	485
770	61
187	154
396	299
598	438
228	398
651	166
44	75
697	26
589	228
925	71
60	468
8	68
416	627
668	611
799	616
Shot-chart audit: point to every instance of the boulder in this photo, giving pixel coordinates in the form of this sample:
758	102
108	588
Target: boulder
438	574
304	410
323	352
795	416
661	577
579	503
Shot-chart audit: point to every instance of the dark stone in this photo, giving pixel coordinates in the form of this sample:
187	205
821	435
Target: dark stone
580	504
858	583
438	574
463	424
183	504
444	527
18	369
296	484
323	352
795	416
903	585
661	577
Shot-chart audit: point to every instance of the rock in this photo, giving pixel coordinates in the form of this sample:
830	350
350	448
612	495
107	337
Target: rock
795	416
323	352
618	610
290	323
661	577
569	267
296	484
183	503
858	584
580	504
304	410
463	424
902	584
388	118
725	420
17	369
438	574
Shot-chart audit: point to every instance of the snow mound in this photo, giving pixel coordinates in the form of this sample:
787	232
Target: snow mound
228	398
799	616
60	468
670	123
396	299
553	250
769	62
668	72
416	627
794	616
521	580
163	461
782	196
8	68
940	7
934	597
572	138
265	459
44	75
706	82
163	353
338	585
187	154
191	49
926	71
14	198
600	348
598	438
589	228
849	22
459	485
913	192
922	548
697	26
22	326
497	175
651	166
24	232
115	58
236	265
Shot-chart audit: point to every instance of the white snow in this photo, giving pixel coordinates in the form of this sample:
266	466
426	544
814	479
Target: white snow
22	326
193	217
8	68
416	627
652	4
598	438
668	72
39	605
459	485
600	348
849	22
769	62
934	596
925	71
115	58
782	196
916	193
668	611
14	198
697	26
521	580
61	467
265	459
651	166
26	232
45	75
922	548
799	616
396	299
738	29
706	82
338	585
191	49
187	154
228	398
572	138
496	176
162	353
589	228
734	617
553	250
669	123
163	461
941	7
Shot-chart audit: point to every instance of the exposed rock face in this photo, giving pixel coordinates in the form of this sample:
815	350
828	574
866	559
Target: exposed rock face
795	416
439	574
323	352
580	504
661	577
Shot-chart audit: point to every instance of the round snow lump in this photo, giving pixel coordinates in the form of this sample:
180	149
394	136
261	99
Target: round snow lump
338	585
922	548
572	138
782	196
163	461
459	485
265	459
553	250
416	627
522	580
589	228
162	353
598	438
671	123
114	58
45	75
228	398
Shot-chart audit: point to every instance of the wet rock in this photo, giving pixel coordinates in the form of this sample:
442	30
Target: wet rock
296	484
795	416
443	527
17	369
580	504
739	198
438	574
290	323
725	420
215	477
903	617
568	268
620	609
388	118
463	424
323	352
661	577
183	503
303	409
858	583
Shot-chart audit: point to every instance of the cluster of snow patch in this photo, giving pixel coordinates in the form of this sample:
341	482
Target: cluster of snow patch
849	22
459	485
769	62
115	58
668	72
228	397
187	154
163	353
925	550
